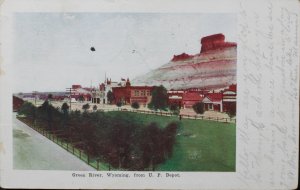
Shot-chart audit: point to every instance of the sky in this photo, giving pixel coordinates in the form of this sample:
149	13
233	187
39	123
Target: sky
52	51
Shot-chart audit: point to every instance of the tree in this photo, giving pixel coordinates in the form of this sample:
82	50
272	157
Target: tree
29	110
231	110
65	108
159	98
50	96
152	146
95	107
110	97
46	113
85	107
199	107
135	105
122	132
169	136
174	108
81	98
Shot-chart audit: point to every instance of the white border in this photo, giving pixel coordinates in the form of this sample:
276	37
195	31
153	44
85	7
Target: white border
195	180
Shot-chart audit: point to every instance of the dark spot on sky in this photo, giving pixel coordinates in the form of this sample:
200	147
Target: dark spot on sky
93	49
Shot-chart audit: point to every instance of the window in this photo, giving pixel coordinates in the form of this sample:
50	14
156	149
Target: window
148	92
136	93
142	93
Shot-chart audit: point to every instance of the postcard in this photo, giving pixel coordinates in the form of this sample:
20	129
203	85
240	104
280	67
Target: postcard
134	94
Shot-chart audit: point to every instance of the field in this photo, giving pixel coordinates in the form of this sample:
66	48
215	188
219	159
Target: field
201	145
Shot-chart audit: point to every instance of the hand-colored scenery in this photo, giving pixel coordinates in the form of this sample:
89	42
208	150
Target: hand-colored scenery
179	116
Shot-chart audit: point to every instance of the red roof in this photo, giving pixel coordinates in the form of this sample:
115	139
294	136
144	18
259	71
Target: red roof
192	96
88	89
134	87
215	97
232	87
75	86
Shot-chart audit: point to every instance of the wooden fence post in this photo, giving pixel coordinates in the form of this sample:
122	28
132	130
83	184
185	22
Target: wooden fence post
97	165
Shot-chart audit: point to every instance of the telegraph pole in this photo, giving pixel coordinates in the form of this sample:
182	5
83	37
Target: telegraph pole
34	93
69	91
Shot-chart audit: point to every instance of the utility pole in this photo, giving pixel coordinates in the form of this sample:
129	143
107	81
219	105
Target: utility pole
70	91
34	93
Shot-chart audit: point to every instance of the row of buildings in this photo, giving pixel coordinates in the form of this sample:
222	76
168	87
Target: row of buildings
217	101
126	93
122	92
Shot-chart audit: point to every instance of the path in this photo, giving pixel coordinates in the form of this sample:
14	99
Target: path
32	151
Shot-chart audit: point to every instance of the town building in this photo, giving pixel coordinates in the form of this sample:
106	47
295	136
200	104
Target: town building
99	95
81	94
175	97
128	94
96	95
186	98
213	102
191	98
229	97
17	103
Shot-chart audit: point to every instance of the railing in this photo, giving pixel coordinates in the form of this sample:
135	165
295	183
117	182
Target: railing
57	136
201	117
180	116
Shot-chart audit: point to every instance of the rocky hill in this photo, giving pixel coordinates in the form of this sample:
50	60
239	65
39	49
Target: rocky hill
213	68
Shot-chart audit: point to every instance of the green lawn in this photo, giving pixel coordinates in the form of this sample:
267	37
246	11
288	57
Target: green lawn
201	145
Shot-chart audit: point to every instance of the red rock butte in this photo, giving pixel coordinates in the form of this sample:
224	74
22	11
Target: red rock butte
213	68
214	42
182	56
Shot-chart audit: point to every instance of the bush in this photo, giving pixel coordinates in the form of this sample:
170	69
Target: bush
85	107
119	104
199	107
135	105
174	108
95	108
231	110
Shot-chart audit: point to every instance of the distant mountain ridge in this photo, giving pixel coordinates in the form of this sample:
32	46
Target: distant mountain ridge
213	68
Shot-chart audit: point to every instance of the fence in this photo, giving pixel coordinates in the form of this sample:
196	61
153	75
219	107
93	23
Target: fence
57	136
180	116
165	113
